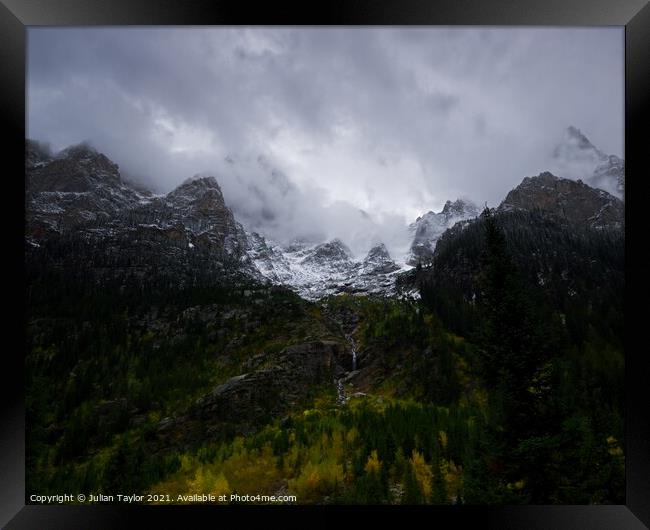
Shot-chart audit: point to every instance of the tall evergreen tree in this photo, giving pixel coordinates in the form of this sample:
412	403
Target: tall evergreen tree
514	344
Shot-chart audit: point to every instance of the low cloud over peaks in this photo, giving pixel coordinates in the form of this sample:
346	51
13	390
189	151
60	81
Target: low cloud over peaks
305	128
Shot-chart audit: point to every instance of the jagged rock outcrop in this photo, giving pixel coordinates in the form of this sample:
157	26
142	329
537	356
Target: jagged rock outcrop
427	229
333	255
268	259
195	213
575	202
378	261
78	199
76	187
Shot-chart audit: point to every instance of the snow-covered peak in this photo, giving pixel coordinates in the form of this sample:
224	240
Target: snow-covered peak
428	228
460	208
576	158
378	261
317	270
332	252
378	252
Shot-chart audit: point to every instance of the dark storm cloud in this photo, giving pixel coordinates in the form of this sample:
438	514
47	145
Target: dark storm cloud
390	121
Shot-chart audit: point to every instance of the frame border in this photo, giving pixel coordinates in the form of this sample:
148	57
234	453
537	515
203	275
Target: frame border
17	15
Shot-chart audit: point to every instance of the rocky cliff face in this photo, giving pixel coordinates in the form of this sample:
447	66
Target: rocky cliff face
78	199
197	213
378	261
575	202
427	229
609	175
76	187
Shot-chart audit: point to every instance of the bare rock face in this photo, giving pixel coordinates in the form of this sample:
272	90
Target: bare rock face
79	168
76	187
428	228
196	214
78	199
268	391
578	204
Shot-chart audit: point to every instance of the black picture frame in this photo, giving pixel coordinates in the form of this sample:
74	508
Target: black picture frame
17	15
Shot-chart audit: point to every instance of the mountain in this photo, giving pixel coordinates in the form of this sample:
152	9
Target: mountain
333	256
81	214
581	206
77	186
378	261
197	211
317	270
268	259
427	229
575	157
79	199
553	227
158	357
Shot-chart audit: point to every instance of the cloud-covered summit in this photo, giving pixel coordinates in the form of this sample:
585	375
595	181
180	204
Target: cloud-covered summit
311	130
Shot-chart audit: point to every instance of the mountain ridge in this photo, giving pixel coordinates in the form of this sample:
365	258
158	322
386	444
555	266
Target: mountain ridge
81	189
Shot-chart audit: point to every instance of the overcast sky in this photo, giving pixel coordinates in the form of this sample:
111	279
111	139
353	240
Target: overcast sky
391	121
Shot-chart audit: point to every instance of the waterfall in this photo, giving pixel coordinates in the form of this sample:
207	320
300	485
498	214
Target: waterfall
353	347
341	398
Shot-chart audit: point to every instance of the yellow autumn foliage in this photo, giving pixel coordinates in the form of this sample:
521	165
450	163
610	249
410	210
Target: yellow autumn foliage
442	436
452	475
207	481
351	435
253	472
422	473
316	480
373	465
614	448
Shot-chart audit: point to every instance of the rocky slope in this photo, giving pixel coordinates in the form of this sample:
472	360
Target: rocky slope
578	204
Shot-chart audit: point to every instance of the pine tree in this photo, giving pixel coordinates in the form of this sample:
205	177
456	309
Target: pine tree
412	492
511	339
